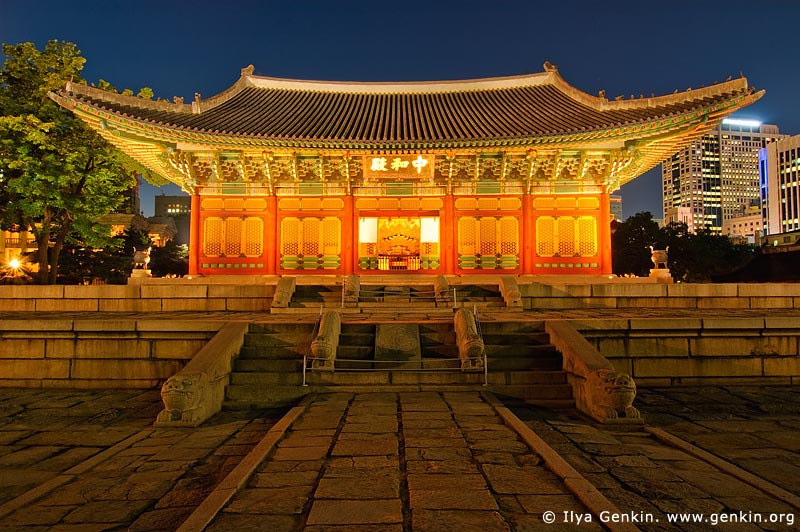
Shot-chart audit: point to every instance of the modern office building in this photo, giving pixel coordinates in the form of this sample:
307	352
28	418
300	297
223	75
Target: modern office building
716	176
779	165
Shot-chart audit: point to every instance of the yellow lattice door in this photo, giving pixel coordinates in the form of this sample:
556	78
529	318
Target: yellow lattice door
467	235
587	236
545	236
508	242
233	237
253	237
566	236
310	237
213	231
290	236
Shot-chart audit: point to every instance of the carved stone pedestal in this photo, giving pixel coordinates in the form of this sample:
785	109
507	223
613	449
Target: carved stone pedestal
140	273
661	275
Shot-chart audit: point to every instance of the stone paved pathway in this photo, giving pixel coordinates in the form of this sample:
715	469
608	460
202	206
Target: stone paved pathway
405	462
394	462
647	477
150	479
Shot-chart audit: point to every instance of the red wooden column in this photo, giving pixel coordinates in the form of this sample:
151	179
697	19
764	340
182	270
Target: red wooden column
194	235
604	236
528	235
349	247
271	235
448	244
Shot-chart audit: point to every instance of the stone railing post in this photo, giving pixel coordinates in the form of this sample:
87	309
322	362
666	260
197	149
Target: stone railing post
323	347
351	288
196	392
599	390
470	344
284	291
510	291
441	289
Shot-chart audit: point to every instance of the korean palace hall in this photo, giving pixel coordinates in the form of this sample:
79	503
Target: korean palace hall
497	175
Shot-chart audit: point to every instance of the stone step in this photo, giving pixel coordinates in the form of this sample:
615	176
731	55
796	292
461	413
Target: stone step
280	340
280	328
351	339
512	327
531	351
273	365
272	352
294	378
505	338
524	364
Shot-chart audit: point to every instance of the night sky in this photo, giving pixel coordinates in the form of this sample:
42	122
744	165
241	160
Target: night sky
179	48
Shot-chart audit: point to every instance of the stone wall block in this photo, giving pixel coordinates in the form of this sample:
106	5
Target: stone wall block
697	367
112	369
21	348
261	304
108	291
241	291
104	325
200	305
629	290
17	305
782	367
665	324
174	291
172	349
177	326
658	347
34	369
769	290
723	302
31	292
772	302
701	290
67	305
130	305
112	347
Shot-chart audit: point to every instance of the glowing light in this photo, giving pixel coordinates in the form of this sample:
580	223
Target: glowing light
739	122
14	264
429	230
368	230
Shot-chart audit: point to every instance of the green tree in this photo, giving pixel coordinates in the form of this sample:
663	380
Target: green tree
57	176
630	244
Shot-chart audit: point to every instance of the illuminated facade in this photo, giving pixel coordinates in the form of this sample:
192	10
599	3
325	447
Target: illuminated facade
780	185
490	175
716	177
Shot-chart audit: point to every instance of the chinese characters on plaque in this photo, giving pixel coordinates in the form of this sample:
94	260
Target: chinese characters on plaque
398	167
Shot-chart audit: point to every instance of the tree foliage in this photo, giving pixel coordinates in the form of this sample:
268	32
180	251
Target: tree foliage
693	257
111	264
57	176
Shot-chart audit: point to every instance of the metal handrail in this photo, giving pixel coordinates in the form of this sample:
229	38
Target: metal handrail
398	361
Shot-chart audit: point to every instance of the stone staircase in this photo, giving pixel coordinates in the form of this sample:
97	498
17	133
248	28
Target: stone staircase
380	298
521	362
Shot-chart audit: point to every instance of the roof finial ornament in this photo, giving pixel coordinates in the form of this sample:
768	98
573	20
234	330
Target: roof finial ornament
728	78
197	97
248	70
550	67
602	94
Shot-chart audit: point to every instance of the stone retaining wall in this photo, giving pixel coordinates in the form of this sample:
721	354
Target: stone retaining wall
136	298
651	295
664	352
97	354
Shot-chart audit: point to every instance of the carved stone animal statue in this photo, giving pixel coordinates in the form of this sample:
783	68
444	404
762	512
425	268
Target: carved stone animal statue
659	257
611	394
470	344
323	347
183	396
141	258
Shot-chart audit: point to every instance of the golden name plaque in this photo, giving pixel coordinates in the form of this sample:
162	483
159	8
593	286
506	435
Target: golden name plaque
398	167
